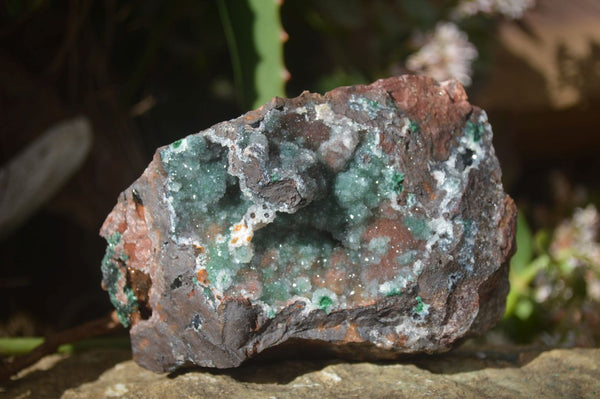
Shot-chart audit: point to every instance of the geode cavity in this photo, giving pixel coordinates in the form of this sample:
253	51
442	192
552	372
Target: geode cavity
369	222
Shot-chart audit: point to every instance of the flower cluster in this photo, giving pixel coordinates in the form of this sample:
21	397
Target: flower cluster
510	8
447	53
567	290
576	244
444	54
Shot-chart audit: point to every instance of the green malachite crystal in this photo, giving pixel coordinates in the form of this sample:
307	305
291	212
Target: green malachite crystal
121	295
373	215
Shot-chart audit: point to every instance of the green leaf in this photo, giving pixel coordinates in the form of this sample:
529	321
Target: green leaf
521	280
542	240
15	346
270	73
524	309
18	345
255	39
524	253
522	268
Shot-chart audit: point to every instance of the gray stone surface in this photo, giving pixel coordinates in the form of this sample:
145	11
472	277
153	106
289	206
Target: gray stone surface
465	373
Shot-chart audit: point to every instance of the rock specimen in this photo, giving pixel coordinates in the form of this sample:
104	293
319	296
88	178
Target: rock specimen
369	222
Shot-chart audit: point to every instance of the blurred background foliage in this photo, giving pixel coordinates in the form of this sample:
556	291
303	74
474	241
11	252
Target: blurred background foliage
146	73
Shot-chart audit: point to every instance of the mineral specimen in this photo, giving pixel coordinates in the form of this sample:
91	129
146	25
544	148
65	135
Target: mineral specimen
368	222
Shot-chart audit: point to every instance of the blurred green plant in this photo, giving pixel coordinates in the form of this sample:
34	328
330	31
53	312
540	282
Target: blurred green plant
555	282
523	269
255	39
15	346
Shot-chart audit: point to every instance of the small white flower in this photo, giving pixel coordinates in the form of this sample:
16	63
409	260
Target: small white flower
510	8
445	54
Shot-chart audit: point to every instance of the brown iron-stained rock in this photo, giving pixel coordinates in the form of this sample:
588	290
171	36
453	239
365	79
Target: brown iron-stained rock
368	222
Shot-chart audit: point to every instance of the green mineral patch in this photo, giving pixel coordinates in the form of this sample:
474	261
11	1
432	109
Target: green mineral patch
371	107
379	245
325	303
367	180
356	192
418	226
394	287
113	240
288	154
204	198
413	126
474	130
397	179
288	255
275	291
421	306
219	266
113	276
407	257
294	256
197	180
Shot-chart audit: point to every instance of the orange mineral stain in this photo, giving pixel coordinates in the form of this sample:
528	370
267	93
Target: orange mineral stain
202	277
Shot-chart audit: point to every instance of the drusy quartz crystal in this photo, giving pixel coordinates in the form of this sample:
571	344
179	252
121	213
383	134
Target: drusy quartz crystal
368	222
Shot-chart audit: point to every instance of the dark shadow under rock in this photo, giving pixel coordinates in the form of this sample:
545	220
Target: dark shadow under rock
54	374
